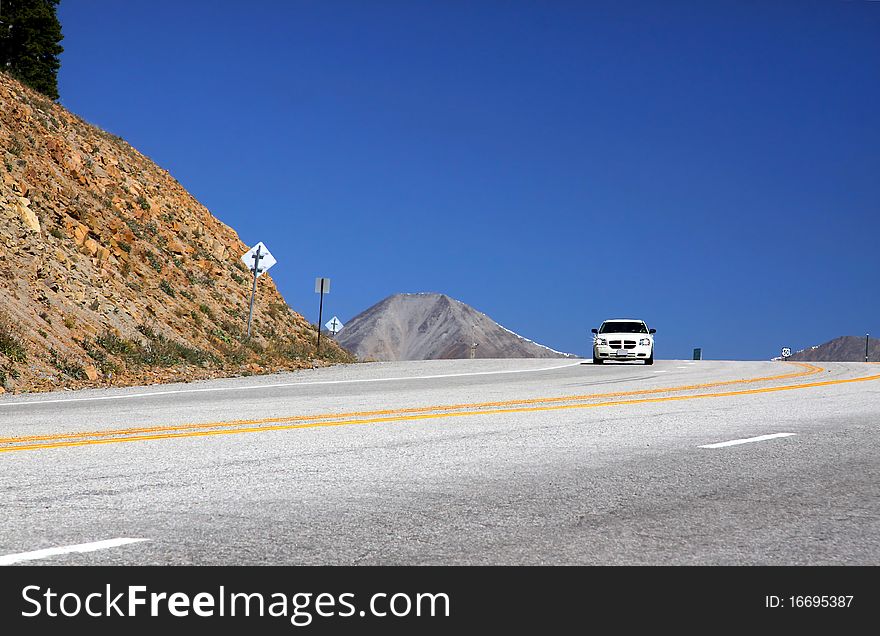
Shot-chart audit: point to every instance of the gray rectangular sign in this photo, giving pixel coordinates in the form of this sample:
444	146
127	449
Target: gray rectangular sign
322	285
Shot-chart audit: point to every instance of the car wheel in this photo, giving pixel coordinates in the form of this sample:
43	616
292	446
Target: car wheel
597	360
650	360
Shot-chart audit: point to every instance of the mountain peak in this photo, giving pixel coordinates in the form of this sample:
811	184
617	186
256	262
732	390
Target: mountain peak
428	326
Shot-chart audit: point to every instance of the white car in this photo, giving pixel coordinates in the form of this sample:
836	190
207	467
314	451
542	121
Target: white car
623	339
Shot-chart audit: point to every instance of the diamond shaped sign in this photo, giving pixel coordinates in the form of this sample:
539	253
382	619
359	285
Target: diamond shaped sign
265	260
334	326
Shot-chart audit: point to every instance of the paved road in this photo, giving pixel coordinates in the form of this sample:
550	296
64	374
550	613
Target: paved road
453	462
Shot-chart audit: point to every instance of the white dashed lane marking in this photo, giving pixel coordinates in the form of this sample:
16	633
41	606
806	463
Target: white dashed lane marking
747	440
20	557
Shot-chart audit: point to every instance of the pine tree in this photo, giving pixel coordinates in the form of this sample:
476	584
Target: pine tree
29	43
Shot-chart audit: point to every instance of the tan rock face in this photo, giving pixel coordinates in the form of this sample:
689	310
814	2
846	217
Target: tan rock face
112	270
177	247
27	216
91	247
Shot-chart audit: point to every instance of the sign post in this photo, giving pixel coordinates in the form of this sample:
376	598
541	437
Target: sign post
322	286
698	353
867	335
786	353
258	259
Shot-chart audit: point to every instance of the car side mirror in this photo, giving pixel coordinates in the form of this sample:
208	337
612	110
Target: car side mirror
594	330
652	331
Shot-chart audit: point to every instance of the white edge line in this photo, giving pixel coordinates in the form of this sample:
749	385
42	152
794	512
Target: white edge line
9	559
280	385
747	440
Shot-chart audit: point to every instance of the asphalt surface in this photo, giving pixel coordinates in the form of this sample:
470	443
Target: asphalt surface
454	462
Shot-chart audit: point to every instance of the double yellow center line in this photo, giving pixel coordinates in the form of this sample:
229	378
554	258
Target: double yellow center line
592	400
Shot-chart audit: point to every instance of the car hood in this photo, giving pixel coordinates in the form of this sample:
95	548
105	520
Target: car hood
620	336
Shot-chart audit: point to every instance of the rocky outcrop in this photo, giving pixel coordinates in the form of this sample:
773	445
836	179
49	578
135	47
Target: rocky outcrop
105	258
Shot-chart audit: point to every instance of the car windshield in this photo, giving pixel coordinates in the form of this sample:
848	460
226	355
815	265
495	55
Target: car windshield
623	327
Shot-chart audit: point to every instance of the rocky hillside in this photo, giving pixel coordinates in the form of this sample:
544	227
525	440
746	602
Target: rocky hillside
843	349
112	273
430	327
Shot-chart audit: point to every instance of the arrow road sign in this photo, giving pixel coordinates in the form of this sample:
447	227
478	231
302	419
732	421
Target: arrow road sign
334	326
264	261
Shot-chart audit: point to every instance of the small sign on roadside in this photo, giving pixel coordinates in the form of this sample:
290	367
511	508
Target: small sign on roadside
334	326
258	257
322	285
786	352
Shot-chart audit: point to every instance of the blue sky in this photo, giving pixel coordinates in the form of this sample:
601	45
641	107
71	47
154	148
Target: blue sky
712	168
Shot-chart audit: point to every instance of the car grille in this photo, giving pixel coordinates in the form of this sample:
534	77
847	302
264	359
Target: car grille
622	344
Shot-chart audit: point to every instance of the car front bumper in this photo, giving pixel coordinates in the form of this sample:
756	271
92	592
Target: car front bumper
605	352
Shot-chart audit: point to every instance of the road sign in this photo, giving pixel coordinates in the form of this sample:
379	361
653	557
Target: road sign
698	353
322	285
786	352
258	259
264	262
334	326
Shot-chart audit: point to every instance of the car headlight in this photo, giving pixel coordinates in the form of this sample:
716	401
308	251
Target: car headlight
601	341
644	341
